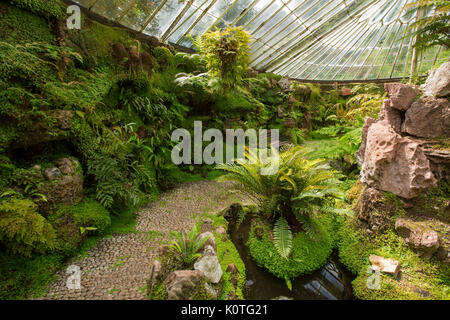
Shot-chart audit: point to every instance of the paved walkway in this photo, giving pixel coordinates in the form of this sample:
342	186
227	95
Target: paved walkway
118	267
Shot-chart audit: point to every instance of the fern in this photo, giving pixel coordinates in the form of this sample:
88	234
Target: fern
282	237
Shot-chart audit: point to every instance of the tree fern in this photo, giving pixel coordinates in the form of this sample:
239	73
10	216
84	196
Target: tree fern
282	237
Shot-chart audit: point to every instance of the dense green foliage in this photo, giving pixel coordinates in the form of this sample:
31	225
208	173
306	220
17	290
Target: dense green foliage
226	53
187	245
297	192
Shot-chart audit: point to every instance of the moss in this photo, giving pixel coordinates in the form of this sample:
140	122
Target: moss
164	58
419	278
46	8
158	292
355	192
22	277
18	26
306	256
90	213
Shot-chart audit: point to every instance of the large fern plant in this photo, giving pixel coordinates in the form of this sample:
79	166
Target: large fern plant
298	191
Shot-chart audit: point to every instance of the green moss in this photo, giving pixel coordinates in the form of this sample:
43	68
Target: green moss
164	58
419	278
306	256
45	8
22	277
90	213
18	26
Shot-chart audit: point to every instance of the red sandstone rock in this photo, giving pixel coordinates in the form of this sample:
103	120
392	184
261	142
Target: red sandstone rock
418	235
182	284
428	118
395	164
401	95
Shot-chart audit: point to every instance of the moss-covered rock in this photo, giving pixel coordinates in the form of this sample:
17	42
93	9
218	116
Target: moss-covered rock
307	254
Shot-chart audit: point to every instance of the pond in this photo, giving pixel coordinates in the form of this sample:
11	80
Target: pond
331	282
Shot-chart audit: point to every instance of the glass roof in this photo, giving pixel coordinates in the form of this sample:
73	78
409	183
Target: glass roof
331	40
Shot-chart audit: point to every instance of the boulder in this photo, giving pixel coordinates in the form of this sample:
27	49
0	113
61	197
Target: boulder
389	266
52	174
428	118
419	236
360	153
401	95
231	268
210	267
156	271
438	82
209	251
395	164
68	190
65	166
63	118
210	242
221	230
285	84
391	115
183	284
374	210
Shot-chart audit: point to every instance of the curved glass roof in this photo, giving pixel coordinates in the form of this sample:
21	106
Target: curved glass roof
331	40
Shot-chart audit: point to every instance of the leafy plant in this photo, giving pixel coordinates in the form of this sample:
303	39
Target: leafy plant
282	237
433	29
187	245
226	53
299	190
22	229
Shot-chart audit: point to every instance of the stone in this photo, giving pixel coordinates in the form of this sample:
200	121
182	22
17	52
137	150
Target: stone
210	242
285	84
52	174
63	118
438	82
401	95
68	190
374	210
419	236
156	270
360	153
389	266
345	92
391	115
428	118
209	251
221	230
65	165
210	267
252	73
163	249
280	112
231	268
182	284
394	163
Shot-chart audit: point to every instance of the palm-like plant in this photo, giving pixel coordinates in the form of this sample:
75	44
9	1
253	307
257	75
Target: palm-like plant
297	191
187	245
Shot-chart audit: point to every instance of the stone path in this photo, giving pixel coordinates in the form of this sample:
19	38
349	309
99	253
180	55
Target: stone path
118	267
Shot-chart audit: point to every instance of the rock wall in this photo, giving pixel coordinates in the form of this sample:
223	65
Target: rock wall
393	155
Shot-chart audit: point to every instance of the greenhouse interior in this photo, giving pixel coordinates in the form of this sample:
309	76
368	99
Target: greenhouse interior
224	150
